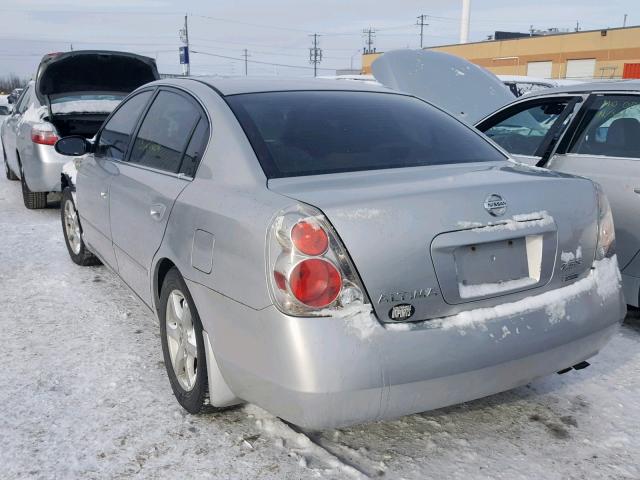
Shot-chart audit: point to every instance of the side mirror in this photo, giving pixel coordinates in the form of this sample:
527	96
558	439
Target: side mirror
73	146
10	99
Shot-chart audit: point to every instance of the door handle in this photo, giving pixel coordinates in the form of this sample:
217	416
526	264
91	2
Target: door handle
103	194
637	190
157	211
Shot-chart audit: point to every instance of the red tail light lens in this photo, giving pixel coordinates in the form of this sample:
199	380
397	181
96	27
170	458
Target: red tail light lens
43	136
309	238
315	282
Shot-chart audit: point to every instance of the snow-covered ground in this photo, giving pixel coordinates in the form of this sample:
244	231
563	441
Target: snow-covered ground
84	394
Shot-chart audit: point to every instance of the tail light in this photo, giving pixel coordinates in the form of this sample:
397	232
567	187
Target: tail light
43	134
310	272
606	245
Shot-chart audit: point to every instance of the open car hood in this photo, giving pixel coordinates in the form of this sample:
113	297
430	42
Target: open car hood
452	83
93	71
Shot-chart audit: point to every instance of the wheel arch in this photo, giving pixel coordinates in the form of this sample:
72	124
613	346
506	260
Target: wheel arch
163	265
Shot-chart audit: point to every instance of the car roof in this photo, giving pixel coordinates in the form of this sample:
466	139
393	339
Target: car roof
588	87
237	85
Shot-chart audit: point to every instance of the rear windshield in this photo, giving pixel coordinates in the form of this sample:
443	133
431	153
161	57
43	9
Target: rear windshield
318	132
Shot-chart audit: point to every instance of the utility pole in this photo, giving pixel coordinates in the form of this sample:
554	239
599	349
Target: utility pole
315	54
624	23
184	50
577	26
246	62
369	34
421	23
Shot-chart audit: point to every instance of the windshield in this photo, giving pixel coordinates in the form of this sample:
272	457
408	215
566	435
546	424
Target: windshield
318	132
86	103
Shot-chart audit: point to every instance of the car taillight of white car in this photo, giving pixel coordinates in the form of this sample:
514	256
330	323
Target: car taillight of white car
43	134
309	270
606	245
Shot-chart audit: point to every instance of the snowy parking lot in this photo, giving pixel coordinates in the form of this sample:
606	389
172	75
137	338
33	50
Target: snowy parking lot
84	394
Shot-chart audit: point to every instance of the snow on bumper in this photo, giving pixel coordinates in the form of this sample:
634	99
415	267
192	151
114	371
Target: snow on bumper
328	372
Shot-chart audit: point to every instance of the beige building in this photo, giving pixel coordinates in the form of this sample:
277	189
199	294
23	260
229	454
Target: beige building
611	53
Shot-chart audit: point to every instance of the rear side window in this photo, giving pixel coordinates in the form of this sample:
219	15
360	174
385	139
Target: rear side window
523	131
610	127
318	132
165	131
195	149
115	135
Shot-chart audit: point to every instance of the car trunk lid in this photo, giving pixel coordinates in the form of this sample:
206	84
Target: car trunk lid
452	83
84	71
426	246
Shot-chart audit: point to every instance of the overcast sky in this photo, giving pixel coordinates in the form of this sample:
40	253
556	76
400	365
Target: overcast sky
274	32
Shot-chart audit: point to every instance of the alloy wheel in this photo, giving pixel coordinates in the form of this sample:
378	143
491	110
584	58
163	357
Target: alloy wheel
181	340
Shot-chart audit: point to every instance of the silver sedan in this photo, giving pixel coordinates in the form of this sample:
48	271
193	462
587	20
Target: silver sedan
338	253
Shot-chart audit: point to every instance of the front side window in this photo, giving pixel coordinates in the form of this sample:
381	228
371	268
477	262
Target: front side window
611	127
115	135
523	132
319	132
165	131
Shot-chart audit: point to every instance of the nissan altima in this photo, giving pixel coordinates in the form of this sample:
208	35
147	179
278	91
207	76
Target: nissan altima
338	253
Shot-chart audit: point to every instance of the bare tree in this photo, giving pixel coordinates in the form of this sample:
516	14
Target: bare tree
11	81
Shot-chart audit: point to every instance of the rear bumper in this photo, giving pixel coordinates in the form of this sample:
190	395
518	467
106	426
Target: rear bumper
328	372
42	167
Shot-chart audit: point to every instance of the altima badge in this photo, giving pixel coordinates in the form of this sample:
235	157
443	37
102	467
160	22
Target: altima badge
393	297
495	205
400	312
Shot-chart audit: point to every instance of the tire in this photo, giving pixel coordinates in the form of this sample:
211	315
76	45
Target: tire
7	171
32	200
181	331
72	231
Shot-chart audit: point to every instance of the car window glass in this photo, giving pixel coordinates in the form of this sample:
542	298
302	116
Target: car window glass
197	144
319	132
115	135
165	131
523	132
25	101
611	127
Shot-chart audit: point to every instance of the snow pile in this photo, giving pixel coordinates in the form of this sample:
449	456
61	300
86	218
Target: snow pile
484	289
33	114
517	222
84	106
358	318
299	445
605	278
360	213
567	257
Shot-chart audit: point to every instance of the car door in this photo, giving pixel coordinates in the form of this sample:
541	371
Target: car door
143	192
529	129
605	147
96	170
10	131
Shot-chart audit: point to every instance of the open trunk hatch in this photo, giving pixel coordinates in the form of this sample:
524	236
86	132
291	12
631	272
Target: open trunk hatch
93	71
452	83
426	237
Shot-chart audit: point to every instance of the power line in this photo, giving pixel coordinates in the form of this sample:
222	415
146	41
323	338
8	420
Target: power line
260	62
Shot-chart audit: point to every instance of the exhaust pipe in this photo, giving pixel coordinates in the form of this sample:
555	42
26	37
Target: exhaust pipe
577	366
